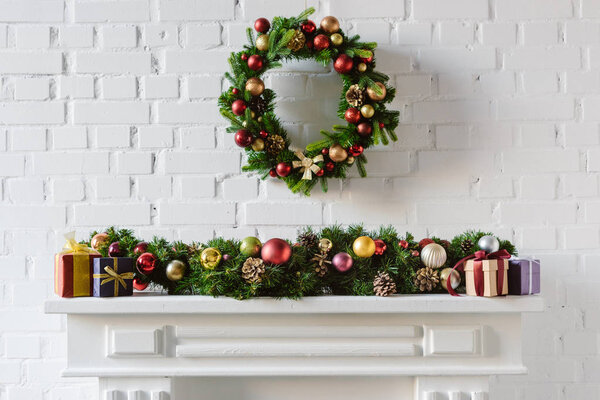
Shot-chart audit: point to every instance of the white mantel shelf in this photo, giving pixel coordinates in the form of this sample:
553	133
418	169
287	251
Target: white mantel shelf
420	347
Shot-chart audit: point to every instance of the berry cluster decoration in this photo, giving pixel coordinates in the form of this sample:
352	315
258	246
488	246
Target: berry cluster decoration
249	105
334	261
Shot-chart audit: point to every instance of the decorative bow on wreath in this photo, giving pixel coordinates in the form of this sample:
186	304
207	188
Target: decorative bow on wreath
478	257
112	275
307	165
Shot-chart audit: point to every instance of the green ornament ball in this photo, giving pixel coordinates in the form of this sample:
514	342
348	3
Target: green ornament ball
250	246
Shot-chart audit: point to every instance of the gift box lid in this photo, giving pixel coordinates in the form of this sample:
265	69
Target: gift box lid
486	265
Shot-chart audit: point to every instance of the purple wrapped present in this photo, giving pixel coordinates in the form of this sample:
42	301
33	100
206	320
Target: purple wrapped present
523	276
113	276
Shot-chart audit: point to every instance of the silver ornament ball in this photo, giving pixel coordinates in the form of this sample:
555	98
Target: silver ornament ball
454	280
175	270
489	244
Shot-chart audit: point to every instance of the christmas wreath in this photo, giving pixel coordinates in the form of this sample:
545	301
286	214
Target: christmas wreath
249	106
334	261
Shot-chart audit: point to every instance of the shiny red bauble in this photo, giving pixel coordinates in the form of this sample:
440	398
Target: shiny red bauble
343	64
243	138
308	27
381	125
140	248
273	173
262	25
255	62
263	134
139	285
324	151
321	42
364	129
403	244
235	90
355	150
114	250
367	60
380	247
283	169
238	107
352	115
329	166
425	242
146	263
320	172
244	57
310	43
276	251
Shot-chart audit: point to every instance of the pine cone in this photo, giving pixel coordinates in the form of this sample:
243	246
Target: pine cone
194	248
274	144
384	285
355	96
253	270
321	262
466	246
297	41
427	279
308	239
321	270
258	105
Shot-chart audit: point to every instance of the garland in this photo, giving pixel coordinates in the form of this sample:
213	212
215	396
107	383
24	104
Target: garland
334	261
249	107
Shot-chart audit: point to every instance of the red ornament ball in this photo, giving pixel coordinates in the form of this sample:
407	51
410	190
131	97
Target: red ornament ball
356	150
244	57
283	169
262	25
255	62
329	166
364	129
381	125
276	251
273	173
310	43
380	247
243	138
367	60
342	262
263	134
235	91
114	250
146	263
403	244
320	172
425	242
140	248
139	285
321	42
308	27
238	107
343	64
325	151
352	115
415	253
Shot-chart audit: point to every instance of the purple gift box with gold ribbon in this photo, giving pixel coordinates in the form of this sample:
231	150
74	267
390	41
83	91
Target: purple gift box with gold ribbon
523	276
113	276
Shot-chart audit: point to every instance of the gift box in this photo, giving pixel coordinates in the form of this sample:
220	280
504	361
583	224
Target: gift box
523	276
487	277
113	276
73	269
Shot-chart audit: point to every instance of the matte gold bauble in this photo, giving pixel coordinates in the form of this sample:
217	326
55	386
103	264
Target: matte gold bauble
337	153
99	240
252	114
210	258
367	111
433	255
262	42
362	67
330	24
373	95
364	247
325	245
258	144
454	280
337	39
350	160
259	119
255	86
175	270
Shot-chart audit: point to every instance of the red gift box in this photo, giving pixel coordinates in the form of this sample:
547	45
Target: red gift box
73	269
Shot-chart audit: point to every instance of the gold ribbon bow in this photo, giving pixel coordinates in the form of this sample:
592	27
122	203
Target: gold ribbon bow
308	165
72	246
113	275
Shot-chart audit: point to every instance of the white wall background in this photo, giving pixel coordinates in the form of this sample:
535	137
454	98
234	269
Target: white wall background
108	116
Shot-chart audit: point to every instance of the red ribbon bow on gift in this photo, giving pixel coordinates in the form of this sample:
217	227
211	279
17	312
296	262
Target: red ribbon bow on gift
478	270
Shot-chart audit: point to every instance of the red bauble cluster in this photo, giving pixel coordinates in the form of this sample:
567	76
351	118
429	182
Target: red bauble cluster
321	42
283	169
320	172
244	57
263	134
262	25
352	115
308	27
238	107
403	244
425	242
329	166
380	247
146	263
276	251
343	64
255	62
364	129
355	150
243	138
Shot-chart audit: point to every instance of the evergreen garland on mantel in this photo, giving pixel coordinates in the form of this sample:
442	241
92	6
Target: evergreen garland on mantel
395	269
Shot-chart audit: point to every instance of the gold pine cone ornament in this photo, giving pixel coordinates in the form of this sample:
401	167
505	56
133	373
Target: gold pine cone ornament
297	41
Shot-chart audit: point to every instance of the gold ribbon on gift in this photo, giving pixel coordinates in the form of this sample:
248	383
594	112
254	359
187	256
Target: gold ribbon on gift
113	275
307	165
72	246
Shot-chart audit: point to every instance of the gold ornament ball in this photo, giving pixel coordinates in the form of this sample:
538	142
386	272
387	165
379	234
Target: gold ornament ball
262	42
210	258
350	160
337	39
330	24
99	240
373	95
364	247
258	144
367	111
255	86
337	153
433	255
175	270
252	114
244	123
259	119
454	281
362	67
325	245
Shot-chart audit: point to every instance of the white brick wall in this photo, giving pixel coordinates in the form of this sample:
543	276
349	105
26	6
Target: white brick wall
108	116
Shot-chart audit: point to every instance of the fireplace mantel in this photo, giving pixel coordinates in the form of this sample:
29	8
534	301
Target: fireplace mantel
174	347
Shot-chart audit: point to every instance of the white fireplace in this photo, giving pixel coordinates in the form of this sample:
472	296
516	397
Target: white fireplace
202	348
